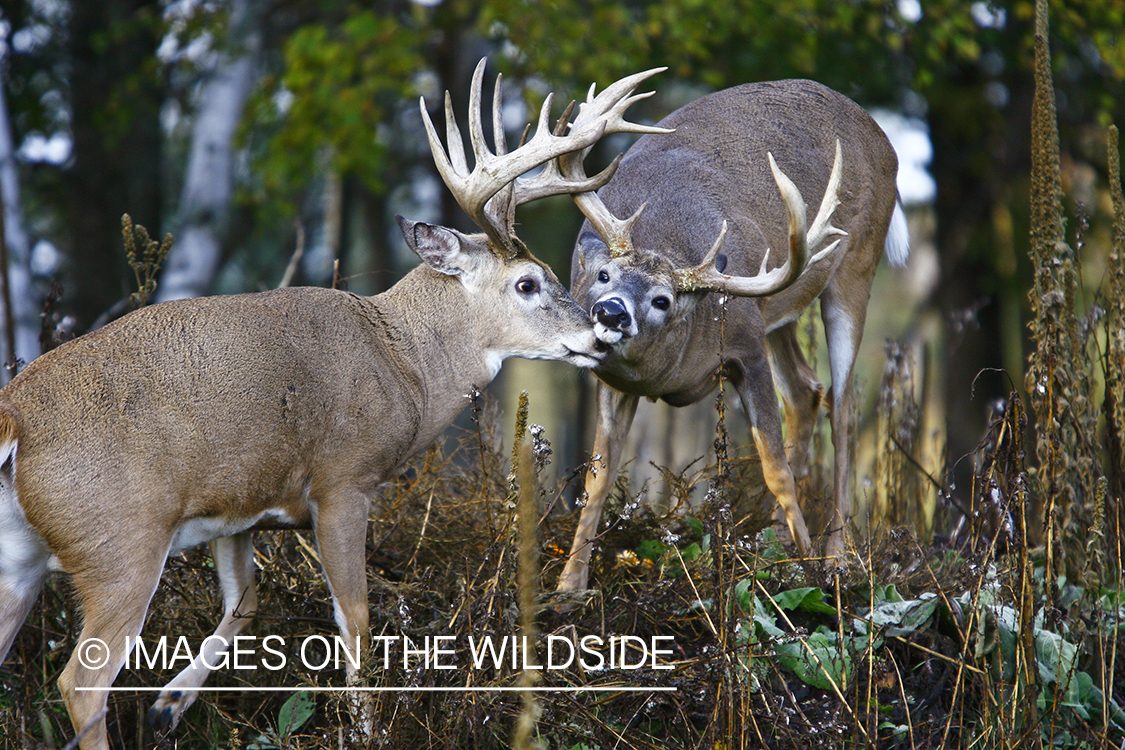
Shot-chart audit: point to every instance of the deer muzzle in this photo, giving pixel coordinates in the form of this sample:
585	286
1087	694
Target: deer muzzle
611	313
612	321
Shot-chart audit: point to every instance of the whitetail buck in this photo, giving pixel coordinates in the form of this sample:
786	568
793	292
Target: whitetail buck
647	280
202	420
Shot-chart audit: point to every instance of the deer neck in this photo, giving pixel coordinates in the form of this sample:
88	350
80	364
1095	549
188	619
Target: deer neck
432	330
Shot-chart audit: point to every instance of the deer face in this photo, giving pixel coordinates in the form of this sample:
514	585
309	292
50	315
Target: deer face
631	298
538	317
518	305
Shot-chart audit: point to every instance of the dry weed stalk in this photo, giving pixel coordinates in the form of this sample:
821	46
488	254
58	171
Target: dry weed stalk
896	477
1058	379
146	263
528	581
1114	357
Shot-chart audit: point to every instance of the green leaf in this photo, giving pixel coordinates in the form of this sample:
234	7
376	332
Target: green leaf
810	599
742	594
650	549
1056	657
901	617
819	661
295	712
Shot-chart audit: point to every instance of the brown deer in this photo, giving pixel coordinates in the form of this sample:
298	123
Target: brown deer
202	420
703	211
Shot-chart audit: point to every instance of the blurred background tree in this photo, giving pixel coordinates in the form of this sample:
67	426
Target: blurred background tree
232	123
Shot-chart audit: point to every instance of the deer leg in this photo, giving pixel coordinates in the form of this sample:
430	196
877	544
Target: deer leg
17	595
23	565
234	563
801	394
756	391
114	602
341	535
843	310
615	415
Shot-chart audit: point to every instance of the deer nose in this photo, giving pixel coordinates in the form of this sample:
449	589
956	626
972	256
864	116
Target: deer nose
611	313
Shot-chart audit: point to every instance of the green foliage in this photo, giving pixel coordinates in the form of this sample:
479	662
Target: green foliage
324	112
865	47
294	714
827	659
714	43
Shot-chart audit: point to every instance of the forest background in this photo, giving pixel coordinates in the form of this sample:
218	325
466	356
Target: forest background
249	128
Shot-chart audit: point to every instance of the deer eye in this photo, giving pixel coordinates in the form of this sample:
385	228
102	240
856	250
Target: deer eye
661	303
527	285
603	277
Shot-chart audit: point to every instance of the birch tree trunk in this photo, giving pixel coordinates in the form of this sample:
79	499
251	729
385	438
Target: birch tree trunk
205	201
25	302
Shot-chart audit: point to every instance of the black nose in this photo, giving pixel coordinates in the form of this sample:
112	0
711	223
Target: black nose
611	313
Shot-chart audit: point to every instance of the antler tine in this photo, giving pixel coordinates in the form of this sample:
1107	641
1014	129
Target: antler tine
499	142
500	208
498	172
452	173
551	181
706	277
607	109
601	114
713	253
617	233
453	138
476	126
798	245
614	100
821	228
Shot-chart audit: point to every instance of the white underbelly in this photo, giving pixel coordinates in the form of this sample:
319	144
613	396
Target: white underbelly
199	530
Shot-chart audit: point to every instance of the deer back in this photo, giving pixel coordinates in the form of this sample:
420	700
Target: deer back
714	168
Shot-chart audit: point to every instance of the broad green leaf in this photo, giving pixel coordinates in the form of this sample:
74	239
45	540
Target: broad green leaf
818	661
295	712
651	549
810	599
1056	657
900	617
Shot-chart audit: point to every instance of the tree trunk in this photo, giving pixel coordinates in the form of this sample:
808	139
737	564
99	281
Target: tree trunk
980	296
205	201
24	300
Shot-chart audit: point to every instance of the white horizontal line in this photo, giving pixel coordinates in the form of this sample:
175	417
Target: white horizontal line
590	689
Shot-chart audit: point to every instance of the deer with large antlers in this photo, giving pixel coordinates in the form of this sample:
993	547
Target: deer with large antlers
202	420
708	193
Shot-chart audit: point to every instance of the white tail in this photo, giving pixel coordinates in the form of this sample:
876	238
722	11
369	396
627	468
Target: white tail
201	420
716	194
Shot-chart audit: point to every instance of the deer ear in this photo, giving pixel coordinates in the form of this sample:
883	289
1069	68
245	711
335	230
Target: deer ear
442	249
589	245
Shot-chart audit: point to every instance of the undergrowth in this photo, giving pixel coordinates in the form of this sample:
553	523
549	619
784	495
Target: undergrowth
913	645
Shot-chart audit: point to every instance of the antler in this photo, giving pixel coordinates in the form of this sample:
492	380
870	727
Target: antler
607	110
706	277
491	191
